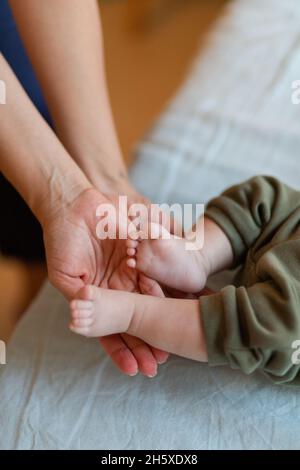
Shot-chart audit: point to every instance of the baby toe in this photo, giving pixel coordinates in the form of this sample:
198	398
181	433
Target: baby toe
87	293
131	251
134	236
82	322
81	304
81	314
84	331
131	243
131	263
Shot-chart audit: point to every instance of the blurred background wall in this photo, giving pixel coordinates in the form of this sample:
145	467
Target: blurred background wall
149	46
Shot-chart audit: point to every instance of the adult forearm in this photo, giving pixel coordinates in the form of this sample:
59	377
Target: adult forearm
64	42
31	156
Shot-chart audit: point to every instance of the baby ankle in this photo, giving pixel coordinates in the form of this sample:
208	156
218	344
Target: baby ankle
206	262
134	316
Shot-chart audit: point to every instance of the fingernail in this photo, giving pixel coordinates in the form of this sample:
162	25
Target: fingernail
133	374
162	362
152	376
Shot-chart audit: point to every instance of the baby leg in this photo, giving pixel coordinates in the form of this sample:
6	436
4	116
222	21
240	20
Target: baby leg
173	325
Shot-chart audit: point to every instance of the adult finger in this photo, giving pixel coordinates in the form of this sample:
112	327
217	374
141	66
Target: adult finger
143	354
116	348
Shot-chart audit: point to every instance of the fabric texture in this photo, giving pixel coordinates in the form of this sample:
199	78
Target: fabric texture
255	325
231	120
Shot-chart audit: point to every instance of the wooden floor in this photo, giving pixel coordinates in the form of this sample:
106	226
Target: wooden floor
149	46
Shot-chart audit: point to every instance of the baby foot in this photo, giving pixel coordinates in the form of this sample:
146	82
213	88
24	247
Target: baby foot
100	312
165	259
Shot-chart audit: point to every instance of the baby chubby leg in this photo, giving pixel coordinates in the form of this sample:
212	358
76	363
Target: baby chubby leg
173	325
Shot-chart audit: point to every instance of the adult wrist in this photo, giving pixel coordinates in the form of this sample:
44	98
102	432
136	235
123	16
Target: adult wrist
108	178
58	196
108	183
100	160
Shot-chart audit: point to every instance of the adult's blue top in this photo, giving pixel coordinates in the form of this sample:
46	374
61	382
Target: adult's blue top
12	48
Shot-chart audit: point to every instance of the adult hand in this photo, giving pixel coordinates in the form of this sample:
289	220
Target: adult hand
76	257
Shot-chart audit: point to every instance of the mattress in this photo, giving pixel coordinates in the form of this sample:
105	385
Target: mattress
232	118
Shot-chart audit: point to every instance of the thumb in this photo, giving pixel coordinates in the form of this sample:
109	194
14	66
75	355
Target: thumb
67	285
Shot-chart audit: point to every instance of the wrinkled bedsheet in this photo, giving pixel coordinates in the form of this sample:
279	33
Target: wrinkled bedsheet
233	118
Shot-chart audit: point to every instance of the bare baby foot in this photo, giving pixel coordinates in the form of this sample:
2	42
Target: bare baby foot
165	259
100	312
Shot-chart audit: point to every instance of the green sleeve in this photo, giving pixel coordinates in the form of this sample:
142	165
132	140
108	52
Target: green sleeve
252	212
254	326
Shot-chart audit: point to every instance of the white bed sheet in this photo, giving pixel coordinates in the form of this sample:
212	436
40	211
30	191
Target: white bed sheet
232	119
